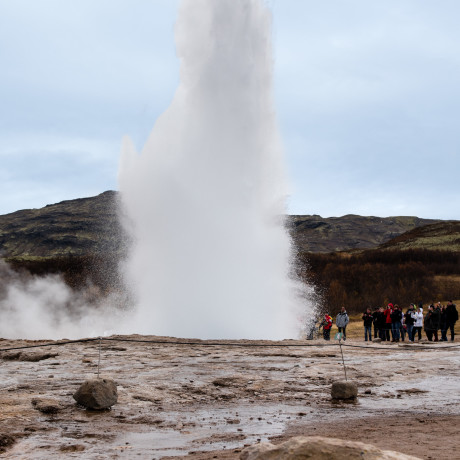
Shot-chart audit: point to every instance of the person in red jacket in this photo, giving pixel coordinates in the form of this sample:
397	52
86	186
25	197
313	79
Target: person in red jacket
327	325
388	311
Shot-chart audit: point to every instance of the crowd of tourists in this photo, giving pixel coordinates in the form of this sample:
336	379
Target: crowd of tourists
392	324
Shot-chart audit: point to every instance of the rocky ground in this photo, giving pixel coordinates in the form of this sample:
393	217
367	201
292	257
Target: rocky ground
210	399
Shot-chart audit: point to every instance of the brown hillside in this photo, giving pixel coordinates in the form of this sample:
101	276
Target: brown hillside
82	227
444	236
350	232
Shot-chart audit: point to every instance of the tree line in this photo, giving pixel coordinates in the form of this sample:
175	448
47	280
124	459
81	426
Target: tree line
377	277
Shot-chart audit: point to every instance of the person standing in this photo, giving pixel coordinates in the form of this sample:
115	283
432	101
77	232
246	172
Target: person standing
396	317
341	321
409	320
452	318
418	323
387	313
376	322
443	323
436	316
327	325
431	324
381	324
368	320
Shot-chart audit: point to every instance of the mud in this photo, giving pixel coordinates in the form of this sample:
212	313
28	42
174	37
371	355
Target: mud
209	400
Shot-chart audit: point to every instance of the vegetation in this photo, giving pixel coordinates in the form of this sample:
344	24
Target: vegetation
377	277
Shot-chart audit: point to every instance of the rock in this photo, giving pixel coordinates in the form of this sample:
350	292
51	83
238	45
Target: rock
97	394
31	357
6	441
344	390
376	340
319	448
46	405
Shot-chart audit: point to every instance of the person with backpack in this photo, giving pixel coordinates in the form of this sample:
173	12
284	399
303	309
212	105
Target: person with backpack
341	321
452	318
368	320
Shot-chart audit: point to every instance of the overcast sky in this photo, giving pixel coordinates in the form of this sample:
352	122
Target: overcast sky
367	96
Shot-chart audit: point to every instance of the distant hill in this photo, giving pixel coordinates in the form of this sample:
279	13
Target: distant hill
89	226
332	234
441	236
86	226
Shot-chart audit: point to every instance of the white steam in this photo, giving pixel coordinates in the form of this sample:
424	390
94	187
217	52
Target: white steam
205	199
46	308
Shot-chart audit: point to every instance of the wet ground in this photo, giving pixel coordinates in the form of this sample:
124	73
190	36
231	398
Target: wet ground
210	399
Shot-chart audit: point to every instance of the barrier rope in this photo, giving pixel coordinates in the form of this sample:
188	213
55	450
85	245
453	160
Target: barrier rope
412	347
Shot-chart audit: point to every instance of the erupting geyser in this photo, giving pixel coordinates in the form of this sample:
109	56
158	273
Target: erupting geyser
205	199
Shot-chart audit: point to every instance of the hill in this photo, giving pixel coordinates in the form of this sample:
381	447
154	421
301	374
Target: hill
80	227
89	226
319	234
440	236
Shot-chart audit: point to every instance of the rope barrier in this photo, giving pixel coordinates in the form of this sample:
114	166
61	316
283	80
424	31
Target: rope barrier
233	344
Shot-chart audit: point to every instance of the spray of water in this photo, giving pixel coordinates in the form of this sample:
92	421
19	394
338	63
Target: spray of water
204	201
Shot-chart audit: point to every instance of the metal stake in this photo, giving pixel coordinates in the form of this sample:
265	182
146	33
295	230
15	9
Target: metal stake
99	362
343	361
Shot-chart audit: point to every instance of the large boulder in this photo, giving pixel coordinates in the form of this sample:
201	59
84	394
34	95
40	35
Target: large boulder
319	448
344	390
97	394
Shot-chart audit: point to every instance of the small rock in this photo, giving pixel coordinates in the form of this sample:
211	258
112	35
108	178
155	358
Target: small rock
344	390
376	340
72	448
31	357
97	394
46	405
6	441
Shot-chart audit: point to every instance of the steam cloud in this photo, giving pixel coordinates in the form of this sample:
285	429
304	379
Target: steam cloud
35	307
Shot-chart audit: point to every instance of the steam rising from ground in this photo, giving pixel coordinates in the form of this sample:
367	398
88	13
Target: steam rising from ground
35	307
205	199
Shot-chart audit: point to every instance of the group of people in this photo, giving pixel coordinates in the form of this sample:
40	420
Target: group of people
392	324
341	321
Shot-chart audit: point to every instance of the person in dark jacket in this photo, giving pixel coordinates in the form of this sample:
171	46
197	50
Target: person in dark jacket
368	320
382	324
452	318
431	323
443	323
396	316
375	321
409	321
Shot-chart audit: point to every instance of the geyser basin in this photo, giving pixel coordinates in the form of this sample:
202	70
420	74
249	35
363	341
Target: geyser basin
205	199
